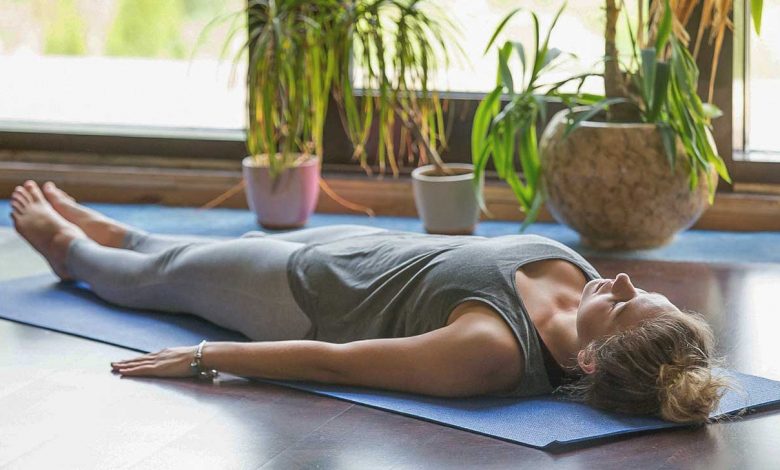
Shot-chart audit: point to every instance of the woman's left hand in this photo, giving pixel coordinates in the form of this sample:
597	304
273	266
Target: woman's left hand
171	362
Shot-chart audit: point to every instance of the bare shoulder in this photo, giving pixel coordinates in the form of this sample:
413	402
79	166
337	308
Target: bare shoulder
500	342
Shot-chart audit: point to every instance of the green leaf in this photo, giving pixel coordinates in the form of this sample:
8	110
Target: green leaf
521	54
550	56
664	29
756	11
533	212
711	111
668	139
720	167
500	28
583	116
503	67
659	90
648	76
482	117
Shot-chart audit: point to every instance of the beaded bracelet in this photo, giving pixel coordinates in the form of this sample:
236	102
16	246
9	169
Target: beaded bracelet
196	366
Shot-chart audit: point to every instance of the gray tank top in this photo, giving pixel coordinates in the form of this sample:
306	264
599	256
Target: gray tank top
397	284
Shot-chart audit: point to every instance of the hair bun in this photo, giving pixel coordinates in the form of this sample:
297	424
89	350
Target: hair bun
688	393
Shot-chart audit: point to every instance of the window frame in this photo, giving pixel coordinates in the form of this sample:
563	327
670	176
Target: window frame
189	146
745	169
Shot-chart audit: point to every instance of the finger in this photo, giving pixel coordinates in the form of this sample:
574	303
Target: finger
134	363
138	358
145	370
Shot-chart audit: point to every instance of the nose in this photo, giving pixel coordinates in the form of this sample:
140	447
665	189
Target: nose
622	287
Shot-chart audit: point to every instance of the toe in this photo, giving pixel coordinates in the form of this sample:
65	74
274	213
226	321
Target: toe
19	198
34	190
22	194
16	206
50	191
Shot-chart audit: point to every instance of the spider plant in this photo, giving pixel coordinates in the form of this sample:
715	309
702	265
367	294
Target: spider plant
290	71
392	47
303	52
505	122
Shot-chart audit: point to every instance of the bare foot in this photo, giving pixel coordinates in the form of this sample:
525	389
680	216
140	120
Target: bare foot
42	227
105	231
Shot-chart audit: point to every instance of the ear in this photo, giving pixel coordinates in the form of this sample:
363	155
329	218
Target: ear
585	361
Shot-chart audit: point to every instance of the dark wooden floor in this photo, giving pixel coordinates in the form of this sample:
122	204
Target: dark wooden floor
60	407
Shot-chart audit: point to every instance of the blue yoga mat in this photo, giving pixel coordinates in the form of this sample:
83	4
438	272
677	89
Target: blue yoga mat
543	422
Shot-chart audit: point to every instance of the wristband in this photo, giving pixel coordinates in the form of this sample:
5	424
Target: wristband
196	366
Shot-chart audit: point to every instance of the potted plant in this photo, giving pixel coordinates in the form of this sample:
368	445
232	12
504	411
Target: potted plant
505	123
288	83
396	47
635	167
302	53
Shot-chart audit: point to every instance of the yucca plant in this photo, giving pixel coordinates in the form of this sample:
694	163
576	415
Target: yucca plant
660	84
505	122
657	85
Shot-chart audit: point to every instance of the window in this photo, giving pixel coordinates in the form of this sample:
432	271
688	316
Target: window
118	67
760	58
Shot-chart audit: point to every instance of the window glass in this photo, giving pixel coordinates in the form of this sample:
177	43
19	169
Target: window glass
580	31
131	63
763	100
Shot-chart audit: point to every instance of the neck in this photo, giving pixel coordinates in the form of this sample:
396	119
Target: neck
559	332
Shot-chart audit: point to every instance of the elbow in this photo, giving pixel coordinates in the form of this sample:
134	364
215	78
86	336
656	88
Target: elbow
323	363
333	364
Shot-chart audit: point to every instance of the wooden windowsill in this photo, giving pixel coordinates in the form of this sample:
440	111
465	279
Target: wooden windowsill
195	182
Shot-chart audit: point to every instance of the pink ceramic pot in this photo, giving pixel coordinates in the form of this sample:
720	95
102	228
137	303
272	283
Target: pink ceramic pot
288	203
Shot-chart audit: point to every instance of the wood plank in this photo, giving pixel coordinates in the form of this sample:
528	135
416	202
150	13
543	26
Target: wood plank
388	196
62	408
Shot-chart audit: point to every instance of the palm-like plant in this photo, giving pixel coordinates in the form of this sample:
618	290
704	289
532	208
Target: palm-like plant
302	52
288	80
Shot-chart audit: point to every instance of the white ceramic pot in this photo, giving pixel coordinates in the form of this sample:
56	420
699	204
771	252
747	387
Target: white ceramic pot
446	204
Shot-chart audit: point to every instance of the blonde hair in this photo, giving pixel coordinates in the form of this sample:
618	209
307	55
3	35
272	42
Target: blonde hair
663	366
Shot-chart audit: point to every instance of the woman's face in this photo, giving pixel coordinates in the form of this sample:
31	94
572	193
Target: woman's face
609	306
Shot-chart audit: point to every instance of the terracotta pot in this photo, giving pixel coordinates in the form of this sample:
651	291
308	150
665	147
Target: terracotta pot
446	204
290	201
612	183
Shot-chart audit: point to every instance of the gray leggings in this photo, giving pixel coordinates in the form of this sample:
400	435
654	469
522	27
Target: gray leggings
240	283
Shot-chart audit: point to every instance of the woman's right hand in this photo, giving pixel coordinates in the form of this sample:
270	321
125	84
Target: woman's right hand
171	362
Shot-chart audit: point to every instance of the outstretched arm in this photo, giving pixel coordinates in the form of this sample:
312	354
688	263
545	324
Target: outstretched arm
471	356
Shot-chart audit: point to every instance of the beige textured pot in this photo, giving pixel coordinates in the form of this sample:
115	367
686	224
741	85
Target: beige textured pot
612	183
446	204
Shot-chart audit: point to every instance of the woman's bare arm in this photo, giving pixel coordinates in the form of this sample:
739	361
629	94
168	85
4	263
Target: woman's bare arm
468	357
473	355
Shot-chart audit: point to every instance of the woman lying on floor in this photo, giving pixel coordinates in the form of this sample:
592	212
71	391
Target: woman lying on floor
451	316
